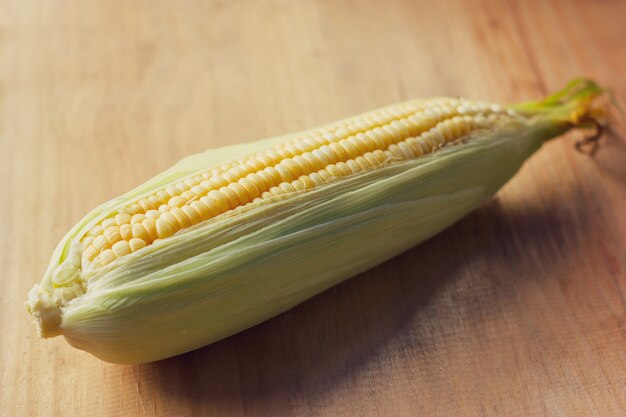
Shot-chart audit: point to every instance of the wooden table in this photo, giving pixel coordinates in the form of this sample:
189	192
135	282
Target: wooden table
518	310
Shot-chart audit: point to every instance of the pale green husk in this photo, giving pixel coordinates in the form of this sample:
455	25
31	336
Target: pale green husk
242	268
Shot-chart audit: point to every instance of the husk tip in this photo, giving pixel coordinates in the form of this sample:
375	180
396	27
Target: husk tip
45	314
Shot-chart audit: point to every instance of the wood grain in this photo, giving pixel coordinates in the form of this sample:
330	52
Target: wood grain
518	310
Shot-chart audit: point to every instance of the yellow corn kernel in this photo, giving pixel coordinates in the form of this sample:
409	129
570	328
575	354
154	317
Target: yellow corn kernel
122	218
106	257
140	232
100	243
112	234
121	248
136	244
137	218
150	227
90	253
106	223
126	231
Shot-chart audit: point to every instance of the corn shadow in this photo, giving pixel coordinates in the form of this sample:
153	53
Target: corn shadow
301	355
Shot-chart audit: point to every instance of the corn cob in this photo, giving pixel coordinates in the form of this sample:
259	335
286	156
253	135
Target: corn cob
226	239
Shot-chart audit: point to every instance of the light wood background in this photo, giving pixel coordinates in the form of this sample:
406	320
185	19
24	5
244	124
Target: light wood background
518	310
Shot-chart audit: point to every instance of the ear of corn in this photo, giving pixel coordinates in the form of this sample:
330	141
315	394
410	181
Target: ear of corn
226	239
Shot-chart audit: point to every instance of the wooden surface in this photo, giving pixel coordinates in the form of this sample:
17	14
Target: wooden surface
518	310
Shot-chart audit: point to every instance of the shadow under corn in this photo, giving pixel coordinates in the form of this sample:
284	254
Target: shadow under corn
298	358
